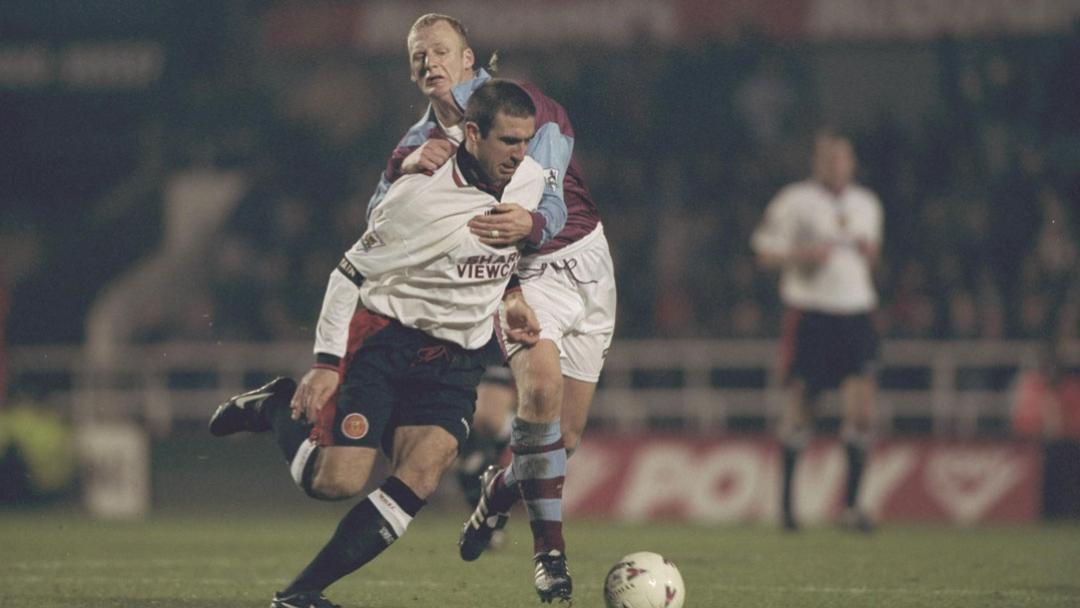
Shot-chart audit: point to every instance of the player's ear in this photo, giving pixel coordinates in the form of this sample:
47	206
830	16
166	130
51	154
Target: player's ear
468	59
472	132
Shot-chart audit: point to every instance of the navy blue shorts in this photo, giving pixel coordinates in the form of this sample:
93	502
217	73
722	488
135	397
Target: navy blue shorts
824	349
397	376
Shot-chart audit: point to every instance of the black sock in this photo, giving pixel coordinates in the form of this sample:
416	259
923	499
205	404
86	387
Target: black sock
365	532
856	458
790	456
292	438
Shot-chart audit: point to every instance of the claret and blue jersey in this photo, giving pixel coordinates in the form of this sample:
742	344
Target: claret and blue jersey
566	212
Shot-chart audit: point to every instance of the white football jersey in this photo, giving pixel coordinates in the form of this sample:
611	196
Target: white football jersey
422	266
807	213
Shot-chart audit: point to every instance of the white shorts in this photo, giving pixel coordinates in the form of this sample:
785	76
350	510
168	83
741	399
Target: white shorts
572	291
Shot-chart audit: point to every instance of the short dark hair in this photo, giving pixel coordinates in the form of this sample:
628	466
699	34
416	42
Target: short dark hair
494	96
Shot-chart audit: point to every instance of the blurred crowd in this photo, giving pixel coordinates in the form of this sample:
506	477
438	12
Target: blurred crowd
682	148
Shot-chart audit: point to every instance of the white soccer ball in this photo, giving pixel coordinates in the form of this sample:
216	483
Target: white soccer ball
644	580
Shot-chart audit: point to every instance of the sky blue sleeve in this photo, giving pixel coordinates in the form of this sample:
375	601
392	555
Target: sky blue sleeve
552	149
378	196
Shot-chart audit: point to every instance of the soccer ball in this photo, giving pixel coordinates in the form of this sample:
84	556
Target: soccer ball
644	580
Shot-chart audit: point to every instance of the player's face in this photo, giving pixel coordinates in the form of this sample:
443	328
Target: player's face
503	149
438	59
834	162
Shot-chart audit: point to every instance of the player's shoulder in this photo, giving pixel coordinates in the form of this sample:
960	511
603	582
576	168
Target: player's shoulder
529	169
797	191
526	187
412	185
865	195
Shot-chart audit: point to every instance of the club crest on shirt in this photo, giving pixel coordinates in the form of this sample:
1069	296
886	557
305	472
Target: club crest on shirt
551	177
354	426
370	240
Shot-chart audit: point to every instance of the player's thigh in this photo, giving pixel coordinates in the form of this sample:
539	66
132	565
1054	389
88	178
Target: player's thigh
421	456
857	399
539	379
577	399
797	413
342	471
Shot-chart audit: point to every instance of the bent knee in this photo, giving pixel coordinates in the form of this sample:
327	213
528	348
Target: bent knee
543	395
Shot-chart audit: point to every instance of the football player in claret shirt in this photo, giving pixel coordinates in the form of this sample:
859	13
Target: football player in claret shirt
567	275
399	373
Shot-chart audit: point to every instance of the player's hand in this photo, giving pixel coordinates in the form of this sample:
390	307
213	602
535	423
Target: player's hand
314	391
431	155
809	259
868	249
505	224
521	322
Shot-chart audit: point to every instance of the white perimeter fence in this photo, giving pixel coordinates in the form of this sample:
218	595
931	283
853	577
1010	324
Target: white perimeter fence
958	388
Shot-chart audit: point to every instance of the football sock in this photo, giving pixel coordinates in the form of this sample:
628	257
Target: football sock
293	437
855	446
790	456
365	532
790	449
539	466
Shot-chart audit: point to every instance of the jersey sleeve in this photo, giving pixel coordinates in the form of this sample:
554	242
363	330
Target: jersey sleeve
339	304
552	147
401	234
773	235
877	225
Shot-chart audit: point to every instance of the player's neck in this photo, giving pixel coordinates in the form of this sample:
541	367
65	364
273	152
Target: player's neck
447	112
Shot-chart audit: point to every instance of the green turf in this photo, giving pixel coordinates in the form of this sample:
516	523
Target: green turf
186	561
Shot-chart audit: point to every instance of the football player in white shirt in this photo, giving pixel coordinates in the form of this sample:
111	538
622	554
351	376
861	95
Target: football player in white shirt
568	277
824	236
405	332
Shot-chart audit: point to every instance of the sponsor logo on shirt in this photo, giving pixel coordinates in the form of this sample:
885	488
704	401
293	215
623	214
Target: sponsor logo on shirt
488	266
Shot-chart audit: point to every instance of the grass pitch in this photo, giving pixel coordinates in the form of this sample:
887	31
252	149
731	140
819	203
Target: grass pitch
187	561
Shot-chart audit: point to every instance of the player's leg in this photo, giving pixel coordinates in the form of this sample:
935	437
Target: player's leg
267	409
539	457
577	399
495	403
858	387
429	407
801	354
857	396
421	454
794	433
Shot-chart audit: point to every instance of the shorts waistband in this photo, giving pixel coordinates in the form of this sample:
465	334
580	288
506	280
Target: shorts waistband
568	251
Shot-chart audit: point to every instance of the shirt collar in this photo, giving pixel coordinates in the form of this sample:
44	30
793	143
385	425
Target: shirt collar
473	176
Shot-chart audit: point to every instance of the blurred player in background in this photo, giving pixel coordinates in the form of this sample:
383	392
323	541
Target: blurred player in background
404	335
824	236
567	276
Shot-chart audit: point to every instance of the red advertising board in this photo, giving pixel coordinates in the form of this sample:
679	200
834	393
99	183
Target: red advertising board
732	479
